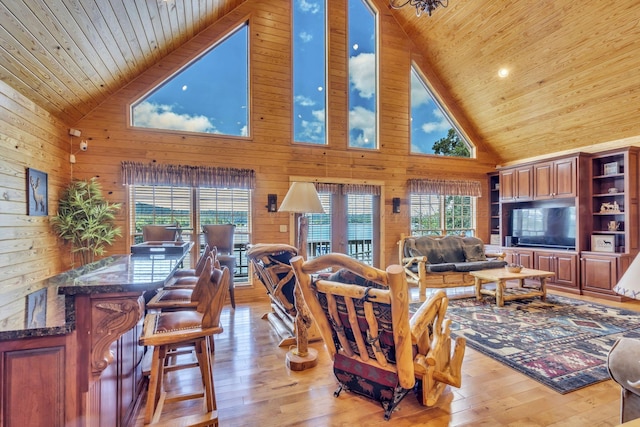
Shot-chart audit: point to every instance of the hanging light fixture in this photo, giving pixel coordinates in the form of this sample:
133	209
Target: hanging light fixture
421	5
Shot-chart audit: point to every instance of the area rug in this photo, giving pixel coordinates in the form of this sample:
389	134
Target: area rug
562	343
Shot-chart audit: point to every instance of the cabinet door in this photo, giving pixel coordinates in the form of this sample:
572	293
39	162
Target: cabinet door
525	259
563	265
524	184
566	270
507	190
543	181
510	256
599	273
565	177
544	261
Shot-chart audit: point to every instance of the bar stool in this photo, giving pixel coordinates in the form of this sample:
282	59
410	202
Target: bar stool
185	298
169	299
185	272
170	330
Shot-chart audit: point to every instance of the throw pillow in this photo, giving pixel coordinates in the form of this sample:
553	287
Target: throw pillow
347	276
474	253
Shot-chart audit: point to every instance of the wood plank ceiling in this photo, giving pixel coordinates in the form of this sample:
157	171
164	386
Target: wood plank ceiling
574	66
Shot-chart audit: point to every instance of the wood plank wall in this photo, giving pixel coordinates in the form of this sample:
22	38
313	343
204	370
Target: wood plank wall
29	251
270	150
30	137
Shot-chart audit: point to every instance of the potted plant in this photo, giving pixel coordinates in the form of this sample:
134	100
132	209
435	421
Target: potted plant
86	219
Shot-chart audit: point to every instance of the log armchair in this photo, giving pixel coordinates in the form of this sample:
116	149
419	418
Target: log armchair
378	349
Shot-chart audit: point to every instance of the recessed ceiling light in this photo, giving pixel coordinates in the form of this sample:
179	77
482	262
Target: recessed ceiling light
503	72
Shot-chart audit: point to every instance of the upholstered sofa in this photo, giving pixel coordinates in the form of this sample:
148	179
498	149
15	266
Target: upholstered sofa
623	363
444	262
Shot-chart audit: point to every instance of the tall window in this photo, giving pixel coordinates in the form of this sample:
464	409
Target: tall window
432	131
210	95
363	76
354	216
309	71
441	215
320	226
191	208
360	227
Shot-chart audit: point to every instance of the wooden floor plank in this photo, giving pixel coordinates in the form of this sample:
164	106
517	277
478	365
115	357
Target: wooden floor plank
254	387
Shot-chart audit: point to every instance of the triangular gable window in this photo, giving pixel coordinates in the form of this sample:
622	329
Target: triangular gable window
432	130
209	95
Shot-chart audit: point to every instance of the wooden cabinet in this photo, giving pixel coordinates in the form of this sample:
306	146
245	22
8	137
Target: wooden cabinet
516	184
494	209
600	273
614	229
555	179
38	382
614	207
523	257
565	266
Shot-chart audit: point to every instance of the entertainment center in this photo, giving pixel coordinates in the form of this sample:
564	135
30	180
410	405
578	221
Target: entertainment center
571	215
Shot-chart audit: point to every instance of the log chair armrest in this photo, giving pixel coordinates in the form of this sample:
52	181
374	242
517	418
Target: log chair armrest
428	319
414	259
500	256
408	261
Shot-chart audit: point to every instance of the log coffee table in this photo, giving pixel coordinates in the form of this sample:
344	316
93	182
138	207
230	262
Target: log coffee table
499	276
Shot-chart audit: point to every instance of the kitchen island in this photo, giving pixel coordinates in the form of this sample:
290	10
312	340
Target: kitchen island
71	357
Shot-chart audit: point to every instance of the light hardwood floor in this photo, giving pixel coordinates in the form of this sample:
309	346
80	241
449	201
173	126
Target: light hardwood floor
254	388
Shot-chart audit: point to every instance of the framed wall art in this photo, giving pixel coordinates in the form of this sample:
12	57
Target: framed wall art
36	316
610	168
37	189
603	243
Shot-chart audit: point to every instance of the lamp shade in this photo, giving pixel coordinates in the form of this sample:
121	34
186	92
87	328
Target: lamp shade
302	197
629	284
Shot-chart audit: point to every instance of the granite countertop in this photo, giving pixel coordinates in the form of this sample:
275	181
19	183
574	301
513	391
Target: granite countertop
50	310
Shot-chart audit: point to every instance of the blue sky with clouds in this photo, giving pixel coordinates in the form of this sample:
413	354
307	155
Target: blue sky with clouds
210	95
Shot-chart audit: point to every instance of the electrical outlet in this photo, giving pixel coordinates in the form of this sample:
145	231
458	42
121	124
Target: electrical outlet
283	228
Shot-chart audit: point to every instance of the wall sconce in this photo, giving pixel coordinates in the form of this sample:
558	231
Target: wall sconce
272	203
396	205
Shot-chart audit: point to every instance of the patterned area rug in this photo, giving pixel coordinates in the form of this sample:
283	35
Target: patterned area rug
562	343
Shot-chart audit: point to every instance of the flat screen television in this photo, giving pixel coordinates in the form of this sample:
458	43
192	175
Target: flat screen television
551	227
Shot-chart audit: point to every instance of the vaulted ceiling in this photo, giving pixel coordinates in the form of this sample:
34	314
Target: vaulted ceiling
574	66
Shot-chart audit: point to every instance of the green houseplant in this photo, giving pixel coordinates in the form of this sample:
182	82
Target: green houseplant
86	219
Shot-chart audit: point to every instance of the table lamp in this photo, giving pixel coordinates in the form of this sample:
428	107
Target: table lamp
629	284
302	198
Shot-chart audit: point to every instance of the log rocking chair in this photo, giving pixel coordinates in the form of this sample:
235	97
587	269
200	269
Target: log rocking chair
378	349
271	266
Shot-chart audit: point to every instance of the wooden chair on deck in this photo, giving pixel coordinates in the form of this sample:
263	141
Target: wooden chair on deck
168	331
221	236
378	349
159	233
